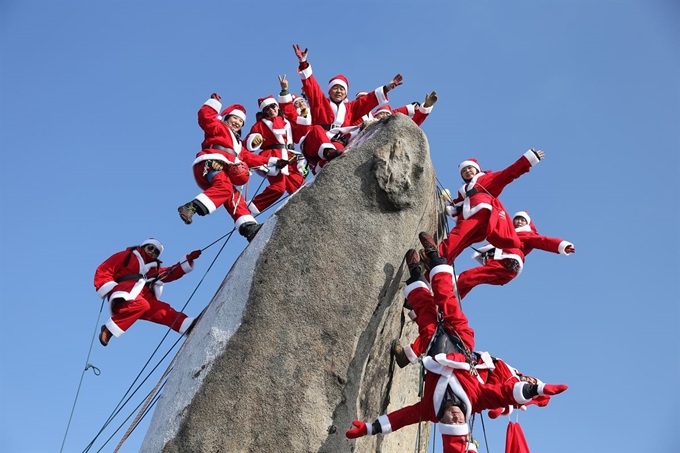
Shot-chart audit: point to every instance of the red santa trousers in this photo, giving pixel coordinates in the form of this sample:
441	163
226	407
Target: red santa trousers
492	273
220	191
464	234
278	185
125	313
316	141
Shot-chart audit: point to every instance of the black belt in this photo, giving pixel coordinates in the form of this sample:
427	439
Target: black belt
129	277
279	146
328	127
221	148
471	192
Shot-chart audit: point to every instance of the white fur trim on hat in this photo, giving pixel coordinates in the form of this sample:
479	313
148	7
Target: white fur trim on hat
385	109
236	112
467	163
337	81
156	243
522	214
265	102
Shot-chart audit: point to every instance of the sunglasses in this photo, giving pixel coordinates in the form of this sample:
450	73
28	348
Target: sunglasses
150	248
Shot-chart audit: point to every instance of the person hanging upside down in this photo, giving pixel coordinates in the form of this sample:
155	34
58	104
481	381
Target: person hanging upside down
453	389
132	281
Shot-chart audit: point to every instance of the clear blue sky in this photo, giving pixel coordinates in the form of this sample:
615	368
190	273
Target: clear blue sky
98	130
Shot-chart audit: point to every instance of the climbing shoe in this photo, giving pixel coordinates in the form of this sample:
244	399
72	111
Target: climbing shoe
249	229
105	335
412	260
399	354
187	211
428	242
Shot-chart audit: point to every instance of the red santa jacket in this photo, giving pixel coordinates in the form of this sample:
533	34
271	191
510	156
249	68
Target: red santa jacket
334	116
485	186
125	275
217	132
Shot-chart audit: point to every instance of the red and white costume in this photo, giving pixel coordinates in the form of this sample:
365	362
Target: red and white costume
133	286
278	140
480	215
500	266
449	372
216	185
329	118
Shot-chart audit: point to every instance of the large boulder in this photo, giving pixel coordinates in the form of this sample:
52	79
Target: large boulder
296	342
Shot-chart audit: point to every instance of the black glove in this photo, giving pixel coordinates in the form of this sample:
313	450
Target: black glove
281	163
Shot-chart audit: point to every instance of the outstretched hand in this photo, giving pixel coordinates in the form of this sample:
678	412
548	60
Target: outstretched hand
570	249
430	99
395	82
215	96
359	430
540	154
299	53
283	82
193	255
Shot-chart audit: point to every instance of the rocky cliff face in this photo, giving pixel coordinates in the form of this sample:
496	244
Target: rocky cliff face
296	342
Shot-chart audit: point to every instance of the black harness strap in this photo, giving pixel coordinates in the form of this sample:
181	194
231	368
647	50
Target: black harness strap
129	277
279	146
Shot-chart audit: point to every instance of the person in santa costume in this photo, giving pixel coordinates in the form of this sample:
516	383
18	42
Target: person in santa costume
334	118
132	282
222	164
275	136
500	266
478	212
453	388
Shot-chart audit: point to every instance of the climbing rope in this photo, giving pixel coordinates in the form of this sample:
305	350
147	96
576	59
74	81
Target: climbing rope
121	404
88	365
147	404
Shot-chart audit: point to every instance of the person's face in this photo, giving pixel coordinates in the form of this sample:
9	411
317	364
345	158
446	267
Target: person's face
234	122
381	115
152	250
337	93
300	103
453	416
519	221
271	111
468	172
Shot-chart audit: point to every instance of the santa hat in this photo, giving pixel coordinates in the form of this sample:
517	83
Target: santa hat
515	440
467	163
525	216
262	103
360	94
522	214
156	243
339	80
385	108
296	97
236	110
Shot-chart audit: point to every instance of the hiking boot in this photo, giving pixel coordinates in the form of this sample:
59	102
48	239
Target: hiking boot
399	354
331	153
412	260
428	242
187	211
249	229
105	335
